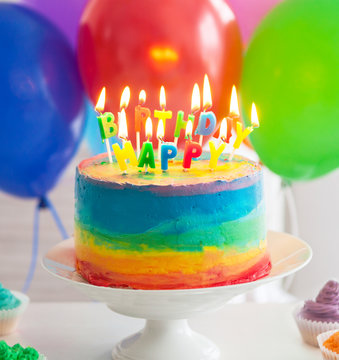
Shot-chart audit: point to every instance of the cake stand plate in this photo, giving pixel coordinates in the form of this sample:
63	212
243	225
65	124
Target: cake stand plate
166	335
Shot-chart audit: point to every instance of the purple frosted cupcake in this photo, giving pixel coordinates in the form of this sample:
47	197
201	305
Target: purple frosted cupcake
321	315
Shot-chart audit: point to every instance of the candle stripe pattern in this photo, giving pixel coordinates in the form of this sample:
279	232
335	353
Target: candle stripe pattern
170	231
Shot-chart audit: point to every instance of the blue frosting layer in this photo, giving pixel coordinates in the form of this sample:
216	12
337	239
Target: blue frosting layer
134	210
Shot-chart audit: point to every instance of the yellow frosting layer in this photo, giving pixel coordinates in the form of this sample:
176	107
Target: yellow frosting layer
98	168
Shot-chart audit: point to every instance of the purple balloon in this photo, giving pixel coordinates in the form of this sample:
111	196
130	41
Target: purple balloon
65	14
249	13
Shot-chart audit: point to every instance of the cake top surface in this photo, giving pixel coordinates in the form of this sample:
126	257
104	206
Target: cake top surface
98	168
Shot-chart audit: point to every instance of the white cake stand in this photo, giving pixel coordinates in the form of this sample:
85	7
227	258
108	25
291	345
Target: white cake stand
166	335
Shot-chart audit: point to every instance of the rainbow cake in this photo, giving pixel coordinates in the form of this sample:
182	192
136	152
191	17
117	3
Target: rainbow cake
177	230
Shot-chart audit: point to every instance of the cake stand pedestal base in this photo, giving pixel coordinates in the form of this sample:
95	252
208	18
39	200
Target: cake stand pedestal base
166	340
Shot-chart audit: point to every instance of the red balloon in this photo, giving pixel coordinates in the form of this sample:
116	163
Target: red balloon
149	43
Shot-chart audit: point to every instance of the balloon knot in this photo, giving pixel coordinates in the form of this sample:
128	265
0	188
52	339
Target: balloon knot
43	203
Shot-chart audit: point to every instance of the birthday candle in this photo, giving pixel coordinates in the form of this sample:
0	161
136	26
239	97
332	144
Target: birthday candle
162	114
168	151
141	115
242	134
215	153
106	123
124	101
192	148
195	107
127	151
202	128
160	136
146	157
232	117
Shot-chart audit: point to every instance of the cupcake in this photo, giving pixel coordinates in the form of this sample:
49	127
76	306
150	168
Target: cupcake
17	352
329	344
321	315
12	305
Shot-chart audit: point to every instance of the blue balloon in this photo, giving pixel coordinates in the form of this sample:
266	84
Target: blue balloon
41	102
92	132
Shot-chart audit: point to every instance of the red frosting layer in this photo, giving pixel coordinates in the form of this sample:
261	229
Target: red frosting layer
100	277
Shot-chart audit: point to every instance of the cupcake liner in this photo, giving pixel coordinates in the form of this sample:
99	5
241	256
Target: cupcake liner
326	353
310	329
10	318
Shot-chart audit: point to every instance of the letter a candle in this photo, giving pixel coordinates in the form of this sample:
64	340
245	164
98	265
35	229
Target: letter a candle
146	157
127	151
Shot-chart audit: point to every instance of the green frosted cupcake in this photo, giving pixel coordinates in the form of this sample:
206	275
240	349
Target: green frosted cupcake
17	352
12	306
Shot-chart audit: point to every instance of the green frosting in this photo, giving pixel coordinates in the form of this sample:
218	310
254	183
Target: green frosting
17	348
17	352
29	354
6	352
7	299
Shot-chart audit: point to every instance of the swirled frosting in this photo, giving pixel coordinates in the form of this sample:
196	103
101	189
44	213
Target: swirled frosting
17	352
6	352
29	354
7	299
326	305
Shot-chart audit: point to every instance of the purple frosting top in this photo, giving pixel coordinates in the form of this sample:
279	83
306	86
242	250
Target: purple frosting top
326	305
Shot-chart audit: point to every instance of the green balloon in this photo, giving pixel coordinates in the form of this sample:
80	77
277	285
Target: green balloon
291	72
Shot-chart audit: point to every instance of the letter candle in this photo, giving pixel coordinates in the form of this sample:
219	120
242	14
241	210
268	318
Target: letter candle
146	157
160	136
232	117
106	123
195	107
124	101
127	151
140	116
168	151
215	153
162	114
242	134
205	115
192	149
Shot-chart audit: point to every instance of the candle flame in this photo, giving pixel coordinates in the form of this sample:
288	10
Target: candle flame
162	98
234	106
223	129
207	97
149	129
195	103
254	116
125	96
123	133
142	97
160	130
189	128
101	100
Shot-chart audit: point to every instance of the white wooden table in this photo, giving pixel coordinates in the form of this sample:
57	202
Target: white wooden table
88	331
